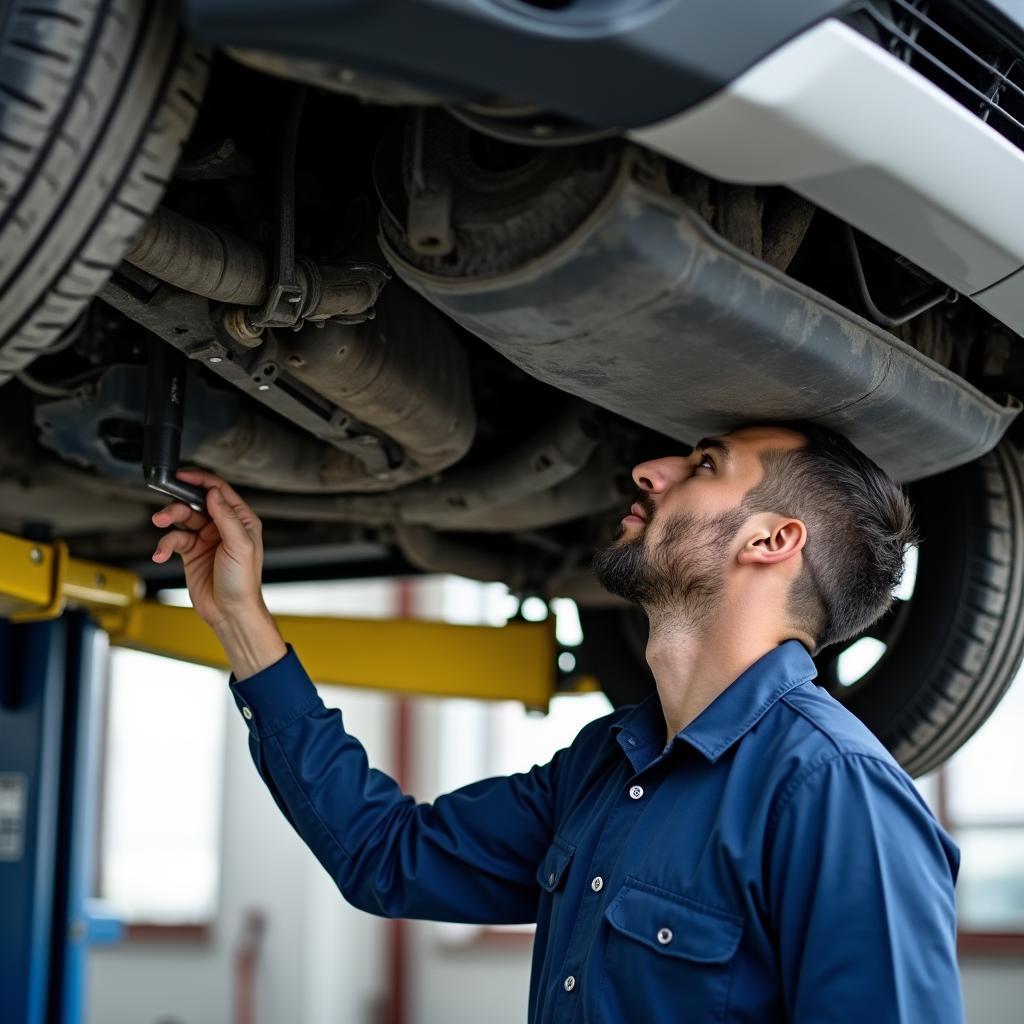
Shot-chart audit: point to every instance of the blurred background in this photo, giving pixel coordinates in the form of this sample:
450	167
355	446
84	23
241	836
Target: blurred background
229	917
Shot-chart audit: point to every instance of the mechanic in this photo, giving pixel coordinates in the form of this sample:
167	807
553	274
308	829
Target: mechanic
739	847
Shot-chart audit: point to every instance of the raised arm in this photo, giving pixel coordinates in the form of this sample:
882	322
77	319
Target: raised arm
470	856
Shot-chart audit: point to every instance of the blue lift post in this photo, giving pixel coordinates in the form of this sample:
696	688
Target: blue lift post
48	774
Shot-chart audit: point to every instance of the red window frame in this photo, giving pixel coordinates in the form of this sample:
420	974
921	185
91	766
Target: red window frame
971	942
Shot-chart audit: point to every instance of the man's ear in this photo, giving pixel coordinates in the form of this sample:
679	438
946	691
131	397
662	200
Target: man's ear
772	539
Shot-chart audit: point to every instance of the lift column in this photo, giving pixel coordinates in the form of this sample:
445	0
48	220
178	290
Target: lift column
47	785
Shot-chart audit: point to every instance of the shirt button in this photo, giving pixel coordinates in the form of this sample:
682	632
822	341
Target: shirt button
246	712
636	792
569	984
597	884
631	741
664	936
551	878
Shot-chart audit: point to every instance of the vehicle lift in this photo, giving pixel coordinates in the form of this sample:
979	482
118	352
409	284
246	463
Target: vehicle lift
57	614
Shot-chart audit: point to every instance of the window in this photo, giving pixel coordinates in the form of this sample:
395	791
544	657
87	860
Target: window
162	784
161	790
979	798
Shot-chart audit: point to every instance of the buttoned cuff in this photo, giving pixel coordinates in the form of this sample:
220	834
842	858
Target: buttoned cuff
275	697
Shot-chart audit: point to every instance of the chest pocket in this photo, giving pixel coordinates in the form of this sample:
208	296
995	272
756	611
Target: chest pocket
553	867
665	950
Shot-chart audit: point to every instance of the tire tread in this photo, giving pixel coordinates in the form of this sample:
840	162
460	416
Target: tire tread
83	78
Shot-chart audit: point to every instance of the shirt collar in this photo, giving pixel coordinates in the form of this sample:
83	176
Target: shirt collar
732	714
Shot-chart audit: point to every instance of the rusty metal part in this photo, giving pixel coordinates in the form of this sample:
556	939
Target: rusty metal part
239	326
260	451
203	260
404	372
560	474
346	289
389	398
739	215
214	263
478	206
770	225
553	455
184	320
784	229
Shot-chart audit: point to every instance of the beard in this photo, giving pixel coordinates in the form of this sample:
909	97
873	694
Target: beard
679	576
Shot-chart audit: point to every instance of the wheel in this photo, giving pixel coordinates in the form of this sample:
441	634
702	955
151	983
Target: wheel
954	644
96	99
928	673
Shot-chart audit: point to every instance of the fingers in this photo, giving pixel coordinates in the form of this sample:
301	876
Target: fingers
180	514
228	519
179	541
248	518
238	530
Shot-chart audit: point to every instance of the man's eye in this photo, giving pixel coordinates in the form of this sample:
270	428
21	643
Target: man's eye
707	461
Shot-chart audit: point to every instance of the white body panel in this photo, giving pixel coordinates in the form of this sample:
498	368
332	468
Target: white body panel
847	125
1005	301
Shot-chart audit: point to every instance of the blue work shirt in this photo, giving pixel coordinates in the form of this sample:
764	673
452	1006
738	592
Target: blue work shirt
772	863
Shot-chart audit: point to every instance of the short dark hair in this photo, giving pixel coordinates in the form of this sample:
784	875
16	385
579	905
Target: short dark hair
859	525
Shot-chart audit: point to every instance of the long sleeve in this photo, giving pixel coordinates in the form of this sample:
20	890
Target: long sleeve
861	891
470	856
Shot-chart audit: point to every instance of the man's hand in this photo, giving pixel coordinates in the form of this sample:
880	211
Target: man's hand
222	551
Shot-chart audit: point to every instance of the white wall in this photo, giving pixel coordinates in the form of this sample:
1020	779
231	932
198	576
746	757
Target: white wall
322	960
993	990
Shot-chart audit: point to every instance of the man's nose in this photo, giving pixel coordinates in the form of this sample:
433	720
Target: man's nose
658	475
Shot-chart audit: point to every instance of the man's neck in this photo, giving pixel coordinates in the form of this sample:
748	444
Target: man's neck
693	666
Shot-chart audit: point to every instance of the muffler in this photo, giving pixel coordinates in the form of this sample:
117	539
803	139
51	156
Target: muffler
643	309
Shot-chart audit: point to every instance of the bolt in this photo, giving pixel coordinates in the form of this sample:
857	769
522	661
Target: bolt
216	359
263	387
295	360
36	555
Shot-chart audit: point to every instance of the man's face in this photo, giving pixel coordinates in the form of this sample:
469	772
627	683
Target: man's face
672	550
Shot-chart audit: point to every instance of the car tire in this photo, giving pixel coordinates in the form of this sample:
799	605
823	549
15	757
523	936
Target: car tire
96	99
952	646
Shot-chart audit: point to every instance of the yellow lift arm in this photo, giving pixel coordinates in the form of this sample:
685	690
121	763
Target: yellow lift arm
512	662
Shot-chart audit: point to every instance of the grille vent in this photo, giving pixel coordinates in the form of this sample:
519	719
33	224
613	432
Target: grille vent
962	55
